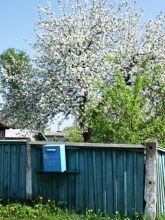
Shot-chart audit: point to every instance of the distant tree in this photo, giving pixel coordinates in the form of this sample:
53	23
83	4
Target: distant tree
17	77
71	49
74	134
12	65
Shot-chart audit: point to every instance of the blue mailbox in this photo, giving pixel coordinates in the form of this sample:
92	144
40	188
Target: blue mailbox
54	159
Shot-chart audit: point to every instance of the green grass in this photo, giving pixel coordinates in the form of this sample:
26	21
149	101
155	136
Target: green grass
50	210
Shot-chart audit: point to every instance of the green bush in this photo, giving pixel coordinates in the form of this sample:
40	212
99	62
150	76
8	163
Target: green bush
129	113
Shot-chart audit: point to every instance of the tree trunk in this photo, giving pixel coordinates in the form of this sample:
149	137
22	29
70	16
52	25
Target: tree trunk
87	135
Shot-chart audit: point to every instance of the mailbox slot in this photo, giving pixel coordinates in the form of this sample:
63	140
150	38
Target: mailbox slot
51	150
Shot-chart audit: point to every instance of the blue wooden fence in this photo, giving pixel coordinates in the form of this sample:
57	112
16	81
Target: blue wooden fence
160	180
13	169
106	178
99	176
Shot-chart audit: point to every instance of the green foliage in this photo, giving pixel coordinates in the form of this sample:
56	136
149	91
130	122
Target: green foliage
12	63
161	217
14	60
50	210
73	134
130	113
36	209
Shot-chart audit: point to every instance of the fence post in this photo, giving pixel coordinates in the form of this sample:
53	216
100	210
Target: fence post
28	172
150	196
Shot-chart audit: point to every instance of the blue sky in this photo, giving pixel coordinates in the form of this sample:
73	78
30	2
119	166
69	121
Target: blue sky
17	18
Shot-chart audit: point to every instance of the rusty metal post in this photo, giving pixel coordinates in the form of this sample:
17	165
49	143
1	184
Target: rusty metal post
150	195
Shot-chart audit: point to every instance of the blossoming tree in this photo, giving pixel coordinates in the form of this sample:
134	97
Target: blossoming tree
12	65
71	55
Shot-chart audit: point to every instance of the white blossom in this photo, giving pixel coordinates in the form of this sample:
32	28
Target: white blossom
71	50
